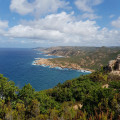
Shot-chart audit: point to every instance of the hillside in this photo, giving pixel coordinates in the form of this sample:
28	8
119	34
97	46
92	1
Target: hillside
91	97
83	57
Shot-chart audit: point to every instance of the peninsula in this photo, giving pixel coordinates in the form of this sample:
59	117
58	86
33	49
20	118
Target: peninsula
48	62
78	58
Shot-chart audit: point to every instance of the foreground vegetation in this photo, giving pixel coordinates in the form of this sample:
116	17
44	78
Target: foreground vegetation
83	98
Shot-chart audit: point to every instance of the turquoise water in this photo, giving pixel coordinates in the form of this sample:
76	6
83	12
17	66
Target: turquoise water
16	64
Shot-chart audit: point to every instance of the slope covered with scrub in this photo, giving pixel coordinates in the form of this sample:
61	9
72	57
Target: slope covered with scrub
91	97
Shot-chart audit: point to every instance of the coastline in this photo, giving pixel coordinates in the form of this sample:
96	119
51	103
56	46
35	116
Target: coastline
48	62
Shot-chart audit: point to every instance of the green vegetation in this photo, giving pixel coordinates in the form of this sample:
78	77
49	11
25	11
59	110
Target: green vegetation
83	98
86	57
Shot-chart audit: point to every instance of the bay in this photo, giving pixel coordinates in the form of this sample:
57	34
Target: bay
17	65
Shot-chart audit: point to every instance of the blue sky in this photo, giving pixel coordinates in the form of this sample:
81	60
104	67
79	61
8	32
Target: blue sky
35	23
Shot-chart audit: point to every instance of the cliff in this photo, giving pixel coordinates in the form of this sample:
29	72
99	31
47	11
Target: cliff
114	66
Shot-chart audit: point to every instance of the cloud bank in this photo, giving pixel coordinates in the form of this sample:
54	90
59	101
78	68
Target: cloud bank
49	25
64	28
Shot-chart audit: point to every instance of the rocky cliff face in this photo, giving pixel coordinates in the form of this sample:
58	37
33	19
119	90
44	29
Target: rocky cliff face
114	65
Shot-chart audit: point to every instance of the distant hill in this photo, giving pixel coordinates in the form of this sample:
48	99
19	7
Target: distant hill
85	57
40	48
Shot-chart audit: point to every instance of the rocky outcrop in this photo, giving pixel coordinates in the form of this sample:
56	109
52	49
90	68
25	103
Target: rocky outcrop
77	106
111	65
117	64
48	62
105	86
114	65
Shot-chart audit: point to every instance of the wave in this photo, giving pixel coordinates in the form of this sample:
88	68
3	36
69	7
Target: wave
84	71
39	53
47	55
59	68
33	63
40	58
36	58
60	56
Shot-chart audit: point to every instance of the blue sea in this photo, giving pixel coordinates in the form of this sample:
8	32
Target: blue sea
17	65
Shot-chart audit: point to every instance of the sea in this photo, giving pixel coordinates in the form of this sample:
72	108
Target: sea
17	64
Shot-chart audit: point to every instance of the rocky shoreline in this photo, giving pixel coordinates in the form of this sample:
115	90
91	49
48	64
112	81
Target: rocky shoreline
48	62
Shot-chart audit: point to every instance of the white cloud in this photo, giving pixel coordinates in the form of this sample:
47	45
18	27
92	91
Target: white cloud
111	16
56	27
116	23
38	7
21	31
3	24
90	16
87	5
21	6
64	29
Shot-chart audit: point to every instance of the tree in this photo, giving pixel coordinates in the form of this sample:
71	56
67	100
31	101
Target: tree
26	94
33	109
20	111
7	88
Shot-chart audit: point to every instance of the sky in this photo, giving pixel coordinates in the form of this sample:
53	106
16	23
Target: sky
46	23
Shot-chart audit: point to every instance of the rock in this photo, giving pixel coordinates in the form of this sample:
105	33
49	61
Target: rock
105	86
77	106
80	106
111	65
114	66
117	65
